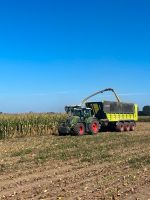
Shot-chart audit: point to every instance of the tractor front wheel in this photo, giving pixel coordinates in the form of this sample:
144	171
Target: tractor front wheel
79	129
94	127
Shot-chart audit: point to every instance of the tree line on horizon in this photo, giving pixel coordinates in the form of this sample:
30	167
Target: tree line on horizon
145	111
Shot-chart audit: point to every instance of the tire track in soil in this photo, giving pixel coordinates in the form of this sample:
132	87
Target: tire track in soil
61	177
78	185
143	193
67	180
33	170
33	176
60	180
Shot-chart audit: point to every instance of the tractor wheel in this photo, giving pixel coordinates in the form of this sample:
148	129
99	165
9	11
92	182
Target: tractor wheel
60	133
94	127
127	126
79	129
132	126
120	127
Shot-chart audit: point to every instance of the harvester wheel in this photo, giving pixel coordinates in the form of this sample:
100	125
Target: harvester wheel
126	126
120	127
94	127
79	129
132	126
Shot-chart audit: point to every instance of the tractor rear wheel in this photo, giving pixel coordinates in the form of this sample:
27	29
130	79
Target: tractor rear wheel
120	127
132	126
79	129
94	127
126	126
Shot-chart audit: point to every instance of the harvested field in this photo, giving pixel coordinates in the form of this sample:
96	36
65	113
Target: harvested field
107	166
144	118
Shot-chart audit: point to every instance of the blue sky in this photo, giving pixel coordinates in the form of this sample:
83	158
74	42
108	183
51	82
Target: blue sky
54	53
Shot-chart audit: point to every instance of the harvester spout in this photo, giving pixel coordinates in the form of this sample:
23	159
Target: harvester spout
100	92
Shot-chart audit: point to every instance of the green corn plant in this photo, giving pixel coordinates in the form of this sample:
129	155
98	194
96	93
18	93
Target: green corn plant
21	125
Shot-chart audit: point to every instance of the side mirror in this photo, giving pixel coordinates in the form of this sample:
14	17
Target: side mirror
66	108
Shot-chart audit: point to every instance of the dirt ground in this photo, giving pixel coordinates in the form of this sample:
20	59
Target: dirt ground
113	166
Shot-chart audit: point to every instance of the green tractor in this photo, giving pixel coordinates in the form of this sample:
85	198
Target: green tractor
90	117
80	121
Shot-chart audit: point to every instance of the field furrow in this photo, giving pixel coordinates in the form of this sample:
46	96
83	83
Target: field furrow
106	166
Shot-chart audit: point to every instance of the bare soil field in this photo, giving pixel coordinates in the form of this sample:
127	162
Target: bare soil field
111	165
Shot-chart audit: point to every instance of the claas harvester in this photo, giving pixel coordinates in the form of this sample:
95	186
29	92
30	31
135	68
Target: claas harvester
92	117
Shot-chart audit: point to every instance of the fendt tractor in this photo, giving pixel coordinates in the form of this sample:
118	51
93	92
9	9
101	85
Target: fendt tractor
92	117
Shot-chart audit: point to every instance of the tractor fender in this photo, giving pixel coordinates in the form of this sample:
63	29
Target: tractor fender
89	120
74	120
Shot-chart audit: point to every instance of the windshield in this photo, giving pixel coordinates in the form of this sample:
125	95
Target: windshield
87	112
76	113
80	112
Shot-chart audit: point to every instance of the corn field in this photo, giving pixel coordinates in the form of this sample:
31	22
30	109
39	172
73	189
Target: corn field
20	125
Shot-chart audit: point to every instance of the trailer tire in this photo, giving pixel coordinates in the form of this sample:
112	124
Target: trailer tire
132	126
79	129
127	126
94	127
120	127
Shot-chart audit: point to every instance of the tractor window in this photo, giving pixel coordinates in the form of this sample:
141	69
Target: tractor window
96	108
77	112
87	113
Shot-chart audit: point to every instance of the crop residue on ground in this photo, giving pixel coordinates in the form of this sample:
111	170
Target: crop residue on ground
106	166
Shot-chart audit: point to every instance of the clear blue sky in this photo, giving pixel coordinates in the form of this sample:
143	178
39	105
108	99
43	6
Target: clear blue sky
54	53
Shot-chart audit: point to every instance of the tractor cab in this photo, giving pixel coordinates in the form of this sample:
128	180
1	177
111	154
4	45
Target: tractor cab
79	121
78	111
